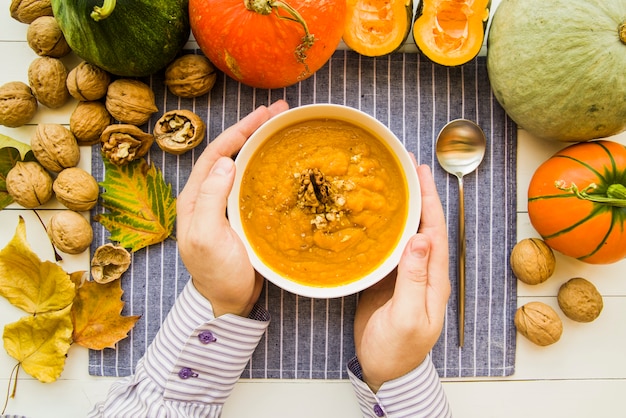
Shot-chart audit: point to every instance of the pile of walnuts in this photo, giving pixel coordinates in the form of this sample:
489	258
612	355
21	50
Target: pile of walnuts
533	262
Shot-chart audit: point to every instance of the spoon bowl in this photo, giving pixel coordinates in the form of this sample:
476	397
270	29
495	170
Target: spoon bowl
460	149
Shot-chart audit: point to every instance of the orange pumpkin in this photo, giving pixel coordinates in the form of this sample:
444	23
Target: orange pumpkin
268	43
577	201
451	32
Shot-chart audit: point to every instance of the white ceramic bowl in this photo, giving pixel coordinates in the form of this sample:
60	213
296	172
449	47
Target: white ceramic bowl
356	117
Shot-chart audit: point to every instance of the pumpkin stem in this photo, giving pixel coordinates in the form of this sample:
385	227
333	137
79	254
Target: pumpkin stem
100	13
622	32
265	7
615	193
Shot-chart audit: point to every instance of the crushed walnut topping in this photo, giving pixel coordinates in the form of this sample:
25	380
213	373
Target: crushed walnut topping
321	197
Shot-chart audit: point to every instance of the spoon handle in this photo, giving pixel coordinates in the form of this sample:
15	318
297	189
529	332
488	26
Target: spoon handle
461	264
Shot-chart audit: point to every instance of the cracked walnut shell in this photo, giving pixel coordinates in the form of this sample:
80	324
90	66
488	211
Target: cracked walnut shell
76	189
190	76
88	121
44	36
109	262
29	184
179	131
130	101
539	323
47	77
55	147
88	82
18	105
579	300
123	143
70	232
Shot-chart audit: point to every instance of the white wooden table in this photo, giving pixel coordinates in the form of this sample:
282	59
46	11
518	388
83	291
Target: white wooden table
583	375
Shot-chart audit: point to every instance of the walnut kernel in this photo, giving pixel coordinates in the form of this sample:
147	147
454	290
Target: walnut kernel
29	184
76	189
44	36
580	300
87	82
190	76
18	105
123	143
179	131
47	78
26	11
130	101
55	147
532	261
109	262
88	121
539	323
70	232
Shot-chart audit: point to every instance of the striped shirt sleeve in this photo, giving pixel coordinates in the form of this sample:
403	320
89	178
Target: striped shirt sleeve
191	366
418	394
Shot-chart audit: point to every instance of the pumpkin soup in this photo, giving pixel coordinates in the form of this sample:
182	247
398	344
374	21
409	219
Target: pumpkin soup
323	202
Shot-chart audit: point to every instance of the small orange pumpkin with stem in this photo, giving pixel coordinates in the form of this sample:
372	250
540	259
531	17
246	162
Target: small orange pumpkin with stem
268	43
577	201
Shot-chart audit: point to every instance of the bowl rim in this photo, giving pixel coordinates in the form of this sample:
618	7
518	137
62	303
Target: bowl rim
360	118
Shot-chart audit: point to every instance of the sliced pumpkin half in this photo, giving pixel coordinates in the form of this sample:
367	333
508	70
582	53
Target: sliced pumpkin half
377	27
451	32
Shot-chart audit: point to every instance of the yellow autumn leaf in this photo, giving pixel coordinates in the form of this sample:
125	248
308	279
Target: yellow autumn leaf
28	283
40	343
96	313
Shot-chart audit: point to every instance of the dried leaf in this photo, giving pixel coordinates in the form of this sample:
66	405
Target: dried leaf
141	208
11	151
40	343
96	314
30	284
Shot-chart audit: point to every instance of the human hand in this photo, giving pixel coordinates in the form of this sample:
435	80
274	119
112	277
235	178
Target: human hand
399	319
212	252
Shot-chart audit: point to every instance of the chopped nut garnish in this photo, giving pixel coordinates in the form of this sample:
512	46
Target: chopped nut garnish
321	197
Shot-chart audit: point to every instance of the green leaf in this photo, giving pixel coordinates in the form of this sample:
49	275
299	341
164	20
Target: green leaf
11	151
140	205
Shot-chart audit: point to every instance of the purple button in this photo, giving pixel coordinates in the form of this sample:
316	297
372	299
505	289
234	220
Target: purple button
379	411
206	337
186	373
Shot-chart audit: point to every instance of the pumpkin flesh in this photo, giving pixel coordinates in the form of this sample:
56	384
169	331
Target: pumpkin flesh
572	205
451	32
267	50
377	27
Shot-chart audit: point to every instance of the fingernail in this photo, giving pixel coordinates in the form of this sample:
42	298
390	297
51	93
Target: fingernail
223	166
419	247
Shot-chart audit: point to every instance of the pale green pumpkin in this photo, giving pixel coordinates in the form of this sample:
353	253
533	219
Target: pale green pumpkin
558	67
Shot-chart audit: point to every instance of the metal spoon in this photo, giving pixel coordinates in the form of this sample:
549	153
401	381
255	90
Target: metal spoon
461	147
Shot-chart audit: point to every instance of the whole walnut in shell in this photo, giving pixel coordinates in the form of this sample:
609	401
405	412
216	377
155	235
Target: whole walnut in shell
76	189
123	143
580	300
44	36
539	323
55	147
47	78
190	76
109	262
18	105
88	121
532	261
179	131
88	82
29	184
70	232
130	101
26	11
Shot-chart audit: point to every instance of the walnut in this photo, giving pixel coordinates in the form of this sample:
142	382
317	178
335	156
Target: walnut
18	105
179	131
319	196
532	261
29	184
47	77
123	143
76	189
87	82
130	101
88	121
109	262
55	147
44	36
190	76
70	232
539	323
26	11
580	300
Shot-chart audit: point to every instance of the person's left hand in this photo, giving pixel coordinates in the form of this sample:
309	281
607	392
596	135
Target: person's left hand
212	252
